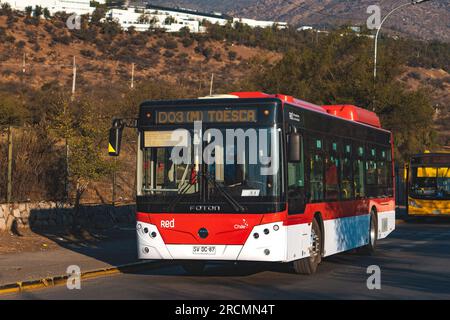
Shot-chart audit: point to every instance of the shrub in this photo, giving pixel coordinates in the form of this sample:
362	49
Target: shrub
88	53
168	54
20	44
170	44
217	56
64	39
49	28
187	42
415	75
232	55
10	38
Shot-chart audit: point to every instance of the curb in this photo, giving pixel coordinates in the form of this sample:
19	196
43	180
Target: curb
17	287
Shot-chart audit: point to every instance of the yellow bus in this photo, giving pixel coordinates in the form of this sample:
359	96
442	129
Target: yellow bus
428	184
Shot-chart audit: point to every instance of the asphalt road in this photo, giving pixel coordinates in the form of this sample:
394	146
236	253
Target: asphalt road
414	263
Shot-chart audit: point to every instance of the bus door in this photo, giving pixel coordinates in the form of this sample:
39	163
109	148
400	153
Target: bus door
297	195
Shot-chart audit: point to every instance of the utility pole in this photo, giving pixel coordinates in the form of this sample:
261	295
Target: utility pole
211	85
74	79
132	75
114	183
24	63
66	180
10	155
412	2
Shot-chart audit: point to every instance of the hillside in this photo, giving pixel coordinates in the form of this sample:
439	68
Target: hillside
166	66
426	21
103	60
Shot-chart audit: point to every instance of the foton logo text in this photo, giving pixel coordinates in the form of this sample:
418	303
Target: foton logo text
168	223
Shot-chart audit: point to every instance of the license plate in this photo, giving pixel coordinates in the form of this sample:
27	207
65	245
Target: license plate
207	250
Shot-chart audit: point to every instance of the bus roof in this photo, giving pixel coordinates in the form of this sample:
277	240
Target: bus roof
348	112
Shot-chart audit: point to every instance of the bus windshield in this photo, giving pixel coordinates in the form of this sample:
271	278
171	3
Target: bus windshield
245	164
430	182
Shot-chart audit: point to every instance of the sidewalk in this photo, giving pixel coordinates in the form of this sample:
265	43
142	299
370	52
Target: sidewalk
88	255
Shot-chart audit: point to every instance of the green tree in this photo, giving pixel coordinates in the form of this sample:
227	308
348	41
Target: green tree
169	20
78	125
12	111
38	11
28	11
338	70
46	13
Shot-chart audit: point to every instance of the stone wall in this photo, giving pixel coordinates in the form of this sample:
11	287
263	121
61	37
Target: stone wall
41	215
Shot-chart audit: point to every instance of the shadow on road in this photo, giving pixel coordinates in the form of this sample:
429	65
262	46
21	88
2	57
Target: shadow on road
103	233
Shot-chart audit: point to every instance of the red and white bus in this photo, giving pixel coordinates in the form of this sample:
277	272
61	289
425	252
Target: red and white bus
331	189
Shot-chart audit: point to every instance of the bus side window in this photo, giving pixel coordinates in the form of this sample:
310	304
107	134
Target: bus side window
358	171
371	171
382	173
332	171
390	178
316	169
296	183
347	172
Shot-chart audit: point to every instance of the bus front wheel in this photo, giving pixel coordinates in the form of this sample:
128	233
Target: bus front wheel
309	265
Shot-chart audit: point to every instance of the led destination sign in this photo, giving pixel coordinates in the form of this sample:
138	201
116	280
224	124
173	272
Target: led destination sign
222	116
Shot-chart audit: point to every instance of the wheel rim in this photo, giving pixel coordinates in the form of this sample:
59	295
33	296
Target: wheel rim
373	232
315	241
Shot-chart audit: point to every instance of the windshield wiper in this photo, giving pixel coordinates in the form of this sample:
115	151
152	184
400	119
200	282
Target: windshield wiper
236	205
181	194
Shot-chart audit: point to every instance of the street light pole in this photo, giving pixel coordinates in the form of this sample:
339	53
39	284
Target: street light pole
413	2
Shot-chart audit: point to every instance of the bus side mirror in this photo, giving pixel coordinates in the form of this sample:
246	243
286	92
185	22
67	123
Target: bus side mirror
115	140
294	152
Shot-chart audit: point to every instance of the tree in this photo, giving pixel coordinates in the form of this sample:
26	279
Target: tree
12	111
38	12
5	9
28	11
79	126
98	15
338	70
46	13
169	20
143	18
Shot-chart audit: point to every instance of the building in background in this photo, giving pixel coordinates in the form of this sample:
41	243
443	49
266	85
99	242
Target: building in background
143	18
69	6
261	23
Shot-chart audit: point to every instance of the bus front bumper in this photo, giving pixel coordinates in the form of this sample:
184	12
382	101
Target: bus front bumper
269	247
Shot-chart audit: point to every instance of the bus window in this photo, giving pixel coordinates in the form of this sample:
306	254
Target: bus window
296	184
371	173
316	171
382	173
346	183
358	173
332	172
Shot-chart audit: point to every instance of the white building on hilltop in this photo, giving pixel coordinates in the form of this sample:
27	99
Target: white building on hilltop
174	19
260	23
69	6
142	19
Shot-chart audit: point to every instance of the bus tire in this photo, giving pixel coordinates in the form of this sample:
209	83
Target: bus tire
309	265
193	267
373	235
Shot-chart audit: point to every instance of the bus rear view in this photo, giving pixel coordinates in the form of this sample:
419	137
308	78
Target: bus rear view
258	177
